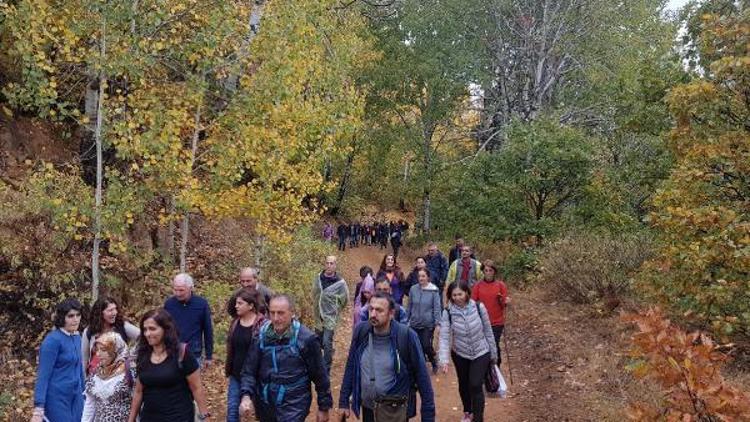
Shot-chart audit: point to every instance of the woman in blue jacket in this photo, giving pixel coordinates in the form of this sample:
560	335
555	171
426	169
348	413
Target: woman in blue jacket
58	394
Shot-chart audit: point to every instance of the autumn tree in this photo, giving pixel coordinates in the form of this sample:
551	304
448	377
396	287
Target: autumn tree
702	211
202	112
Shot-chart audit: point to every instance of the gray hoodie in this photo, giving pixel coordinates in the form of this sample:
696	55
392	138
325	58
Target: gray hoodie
466	332
424	306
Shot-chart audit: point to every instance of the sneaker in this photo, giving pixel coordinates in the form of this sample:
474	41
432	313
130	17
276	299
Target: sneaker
467	417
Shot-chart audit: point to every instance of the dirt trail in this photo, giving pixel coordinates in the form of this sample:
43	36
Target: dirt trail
565	364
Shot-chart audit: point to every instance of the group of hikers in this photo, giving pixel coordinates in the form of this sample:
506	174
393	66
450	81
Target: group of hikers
367	234
272	359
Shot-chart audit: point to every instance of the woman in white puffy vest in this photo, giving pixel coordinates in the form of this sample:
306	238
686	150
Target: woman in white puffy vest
466	335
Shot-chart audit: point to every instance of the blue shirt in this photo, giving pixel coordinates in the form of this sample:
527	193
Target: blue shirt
194	324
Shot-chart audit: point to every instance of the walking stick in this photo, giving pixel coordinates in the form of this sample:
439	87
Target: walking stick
507	349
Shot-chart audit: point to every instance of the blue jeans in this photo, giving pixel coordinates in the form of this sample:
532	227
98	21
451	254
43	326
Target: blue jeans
233	400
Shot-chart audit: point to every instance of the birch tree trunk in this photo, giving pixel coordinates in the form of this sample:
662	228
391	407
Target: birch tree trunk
255	16
99	172
185	229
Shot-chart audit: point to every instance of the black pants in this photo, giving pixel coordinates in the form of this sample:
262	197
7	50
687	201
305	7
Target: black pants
497	332
425	339
342	243
470	382
367	415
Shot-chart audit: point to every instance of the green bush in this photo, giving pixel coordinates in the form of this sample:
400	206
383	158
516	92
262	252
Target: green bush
584	268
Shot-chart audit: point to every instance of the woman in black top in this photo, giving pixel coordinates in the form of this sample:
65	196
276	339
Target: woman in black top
244	308
167	377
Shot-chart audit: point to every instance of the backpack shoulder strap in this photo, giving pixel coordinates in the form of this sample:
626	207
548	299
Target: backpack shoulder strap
402	344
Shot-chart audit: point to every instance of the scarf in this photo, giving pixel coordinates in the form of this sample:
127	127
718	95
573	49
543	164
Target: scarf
115	347
466	266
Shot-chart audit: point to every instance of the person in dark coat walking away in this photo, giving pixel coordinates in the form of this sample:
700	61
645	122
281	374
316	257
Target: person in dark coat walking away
281	364
396	240
342	232
385	364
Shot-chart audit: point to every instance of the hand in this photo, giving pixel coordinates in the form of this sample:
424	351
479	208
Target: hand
444	368
323	416
507	300
348	413
246	406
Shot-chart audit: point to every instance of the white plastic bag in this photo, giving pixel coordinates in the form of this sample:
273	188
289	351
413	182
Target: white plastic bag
502	390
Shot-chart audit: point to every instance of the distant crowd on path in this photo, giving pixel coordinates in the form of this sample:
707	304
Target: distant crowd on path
371	233
115	371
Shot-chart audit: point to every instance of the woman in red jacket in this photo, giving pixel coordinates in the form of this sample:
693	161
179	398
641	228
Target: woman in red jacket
493	293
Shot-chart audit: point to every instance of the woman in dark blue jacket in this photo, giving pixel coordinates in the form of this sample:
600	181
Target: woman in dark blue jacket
58	394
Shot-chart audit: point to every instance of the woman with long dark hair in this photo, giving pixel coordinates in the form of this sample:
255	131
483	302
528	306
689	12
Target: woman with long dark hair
58	393
466	335
106	316
168	377
247	317
392	272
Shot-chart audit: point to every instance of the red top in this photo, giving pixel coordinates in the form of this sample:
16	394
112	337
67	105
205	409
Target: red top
487	293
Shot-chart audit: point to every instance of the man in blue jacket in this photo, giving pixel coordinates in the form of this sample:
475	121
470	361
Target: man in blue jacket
437	264
385	363
193	318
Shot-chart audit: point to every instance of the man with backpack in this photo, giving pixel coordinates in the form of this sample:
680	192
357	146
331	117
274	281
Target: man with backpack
279	367
385	365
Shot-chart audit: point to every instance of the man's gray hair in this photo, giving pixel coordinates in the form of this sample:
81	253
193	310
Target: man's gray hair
185	278
287	298
251	270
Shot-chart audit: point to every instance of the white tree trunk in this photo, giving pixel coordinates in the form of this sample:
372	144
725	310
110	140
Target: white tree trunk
255	16
99	173
427	212
185	230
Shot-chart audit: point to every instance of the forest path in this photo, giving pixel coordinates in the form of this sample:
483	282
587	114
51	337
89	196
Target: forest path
565	363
